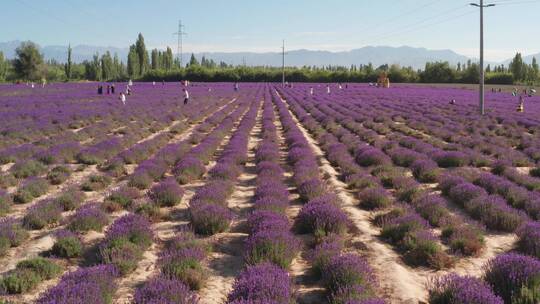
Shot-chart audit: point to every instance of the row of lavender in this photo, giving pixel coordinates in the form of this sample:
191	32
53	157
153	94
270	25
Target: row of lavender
181	262
92	217
485	209
347	276
270	246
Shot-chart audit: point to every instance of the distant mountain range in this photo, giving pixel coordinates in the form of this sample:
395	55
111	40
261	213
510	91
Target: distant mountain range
377	55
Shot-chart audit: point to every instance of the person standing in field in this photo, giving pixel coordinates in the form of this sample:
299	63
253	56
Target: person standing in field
311	91
328	89
521	105
123	98
130	83
112	88
236	86
186	96
108	89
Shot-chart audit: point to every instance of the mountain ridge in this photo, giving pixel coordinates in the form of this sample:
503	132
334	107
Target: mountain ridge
415	57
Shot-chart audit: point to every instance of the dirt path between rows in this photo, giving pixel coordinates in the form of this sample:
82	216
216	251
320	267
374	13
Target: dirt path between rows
399	283
226	260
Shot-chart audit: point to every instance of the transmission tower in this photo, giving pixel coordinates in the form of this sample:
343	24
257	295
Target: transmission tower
180	33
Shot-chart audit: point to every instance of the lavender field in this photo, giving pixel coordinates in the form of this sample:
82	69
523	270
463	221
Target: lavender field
268	195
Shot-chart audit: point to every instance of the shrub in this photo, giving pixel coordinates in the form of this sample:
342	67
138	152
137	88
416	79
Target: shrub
209	219
320	256
322	217
96	182
94	284
465	192
463	239
529	239
67	245
374	198
348	270
44	268
514	277
371	157
58	175
360	181
27	275
115	167
140	180
275	246
42	214
164	290
432	208
447	182
267	220
449	159
214	192
225	170
19	281
272	189
33	187
312	189
265	282
121	253
461	290
122	198
5	203
535	172
425	171
493	211
11	230
167	194
28	168
70	199
188	170
7	180
271	204
404	157
421	248
185	266
89	217
148	209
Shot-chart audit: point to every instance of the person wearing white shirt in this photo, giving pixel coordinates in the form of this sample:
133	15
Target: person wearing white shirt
186	95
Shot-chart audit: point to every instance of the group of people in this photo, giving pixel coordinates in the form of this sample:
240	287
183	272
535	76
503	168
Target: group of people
110	89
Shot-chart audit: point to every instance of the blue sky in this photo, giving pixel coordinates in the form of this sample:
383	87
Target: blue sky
252	25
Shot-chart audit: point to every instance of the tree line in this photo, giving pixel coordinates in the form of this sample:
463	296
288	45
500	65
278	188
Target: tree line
140	64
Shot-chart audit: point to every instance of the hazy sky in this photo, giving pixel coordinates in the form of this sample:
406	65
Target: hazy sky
253	25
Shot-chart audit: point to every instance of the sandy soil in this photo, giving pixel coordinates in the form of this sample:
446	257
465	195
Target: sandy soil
399	282
226	261
43	240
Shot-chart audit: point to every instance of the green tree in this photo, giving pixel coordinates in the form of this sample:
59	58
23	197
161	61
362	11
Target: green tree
155	59
107	66
133	67
168	60
93	68
193	61
3	67
535	69
142	55
68	65
28	61
517	67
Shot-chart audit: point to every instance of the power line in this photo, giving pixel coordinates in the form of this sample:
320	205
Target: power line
180	33
481	80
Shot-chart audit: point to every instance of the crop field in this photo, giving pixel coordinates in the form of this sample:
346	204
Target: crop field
268	195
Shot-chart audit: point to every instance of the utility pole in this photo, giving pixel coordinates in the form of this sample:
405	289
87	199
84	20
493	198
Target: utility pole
180	33
482	6
283	64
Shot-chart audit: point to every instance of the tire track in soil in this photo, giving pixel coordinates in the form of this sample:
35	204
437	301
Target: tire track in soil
44	239
399	283
226	260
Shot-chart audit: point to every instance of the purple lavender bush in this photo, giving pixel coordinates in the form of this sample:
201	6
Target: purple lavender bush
529	239
86	285
167	193
262	283
43	213
514	277
89	217
461	290
163	290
